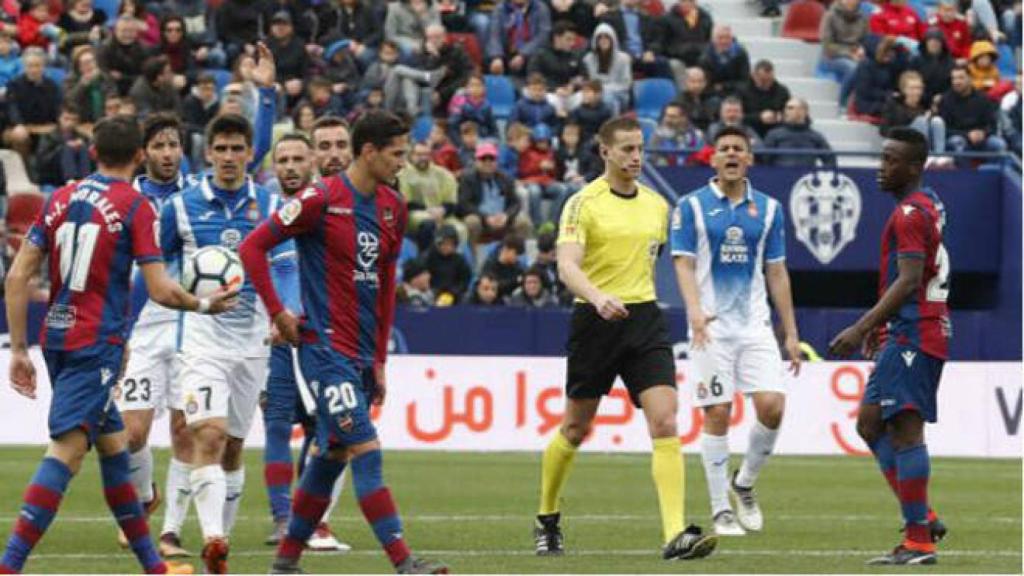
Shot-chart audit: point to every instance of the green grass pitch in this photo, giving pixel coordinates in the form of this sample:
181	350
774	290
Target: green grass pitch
474	511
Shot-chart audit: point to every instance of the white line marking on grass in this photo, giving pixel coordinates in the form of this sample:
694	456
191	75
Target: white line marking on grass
526	552
431	518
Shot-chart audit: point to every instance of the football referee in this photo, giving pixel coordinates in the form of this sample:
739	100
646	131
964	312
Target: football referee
610	235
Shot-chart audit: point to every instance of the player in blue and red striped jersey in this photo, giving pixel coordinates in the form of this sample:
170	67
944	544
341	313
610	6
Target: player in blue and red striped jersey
348	231
90	233
909	330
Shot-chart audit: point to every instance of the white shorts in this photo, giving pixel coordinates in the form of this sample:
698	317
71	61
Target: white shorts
727	366
222	387
150	380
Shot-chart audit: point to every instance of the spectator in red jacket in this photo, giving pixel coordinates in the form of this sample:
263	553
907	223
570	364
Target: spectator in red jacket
34	26
537	170
954	27
895	18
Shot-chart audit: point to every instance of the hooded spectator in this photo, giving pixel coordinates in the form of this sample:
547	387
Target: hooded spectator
532	292
983	70
935	63
449	271
415	288
611	66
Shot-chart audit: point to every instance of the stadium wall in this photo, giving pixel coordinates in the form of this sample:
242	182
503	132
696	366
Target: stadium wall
474	403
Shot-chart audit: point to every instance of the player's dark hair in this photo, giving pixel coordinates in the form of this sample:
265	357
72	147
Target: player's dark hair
293	137
117	139
732	131
328	122
157	123
606	134
377	127
915	142
229	125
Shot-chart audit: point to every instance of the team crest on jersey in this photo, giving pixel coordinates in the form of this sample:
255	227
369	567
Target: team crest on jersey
825	209
191	405
254	211
230	238
345	423
290	211
702	391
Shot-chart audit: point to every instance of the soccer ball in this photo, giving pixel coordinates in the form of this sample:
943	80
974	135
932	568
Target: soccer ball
211	269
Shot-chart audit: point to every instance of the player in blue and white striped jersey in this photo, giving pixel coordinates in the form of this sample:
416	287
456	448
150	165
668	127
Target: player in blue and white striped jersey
728	242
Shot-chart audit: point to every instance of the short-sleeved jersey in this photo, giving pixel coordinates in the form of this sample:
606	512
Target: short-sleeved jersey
348	244
621	237
197	218
148	315
731	243
93	231
914	230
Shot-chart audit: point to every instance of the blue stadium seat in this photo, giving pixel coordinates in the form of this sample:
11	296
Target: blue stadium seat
421	128
110	7
501	93
650	96
1007	62
56	74
648	126
221	77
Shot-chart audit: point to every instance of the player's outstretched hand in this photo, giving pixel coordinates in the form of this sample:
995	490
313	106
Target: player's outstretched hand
792	345
846	342
224	301
699	325
610	308
287	327
23	374
265	72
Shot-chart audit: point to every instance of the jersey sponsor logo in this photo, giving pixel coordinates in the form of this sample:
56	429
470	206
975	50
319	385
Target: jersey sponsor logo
366	258
339	210
61	316
734	249
825	209
253	213
908	357
290	211
207	215
230	238
715	212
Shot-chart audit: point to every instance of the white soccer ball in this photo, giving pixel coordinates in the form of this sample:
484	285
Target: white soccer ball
212	269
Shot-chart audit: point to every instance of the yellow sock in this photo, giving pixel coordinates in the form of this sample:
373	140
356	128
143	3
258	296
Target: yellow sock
555	467
667	469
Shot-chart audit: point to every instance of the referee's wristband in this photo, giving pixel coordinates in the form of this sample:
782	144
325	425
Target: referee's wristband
204	306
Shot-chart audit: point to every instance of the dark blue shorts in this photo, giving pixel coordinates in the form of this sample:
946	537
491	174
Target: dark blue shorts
904	379
84	383
282	401
342	397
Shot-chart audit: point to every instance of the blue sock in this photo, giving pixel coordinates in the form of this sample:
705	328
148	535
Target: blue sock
886	458
127	510
378	506
41	500
277	467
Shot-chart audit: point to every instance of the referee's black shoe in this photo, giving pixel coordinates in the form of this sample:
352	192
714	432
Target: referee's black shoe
690	544
547	535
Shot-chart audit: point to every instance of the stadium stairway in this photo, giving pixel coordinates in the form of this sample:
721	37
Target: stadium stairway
795	62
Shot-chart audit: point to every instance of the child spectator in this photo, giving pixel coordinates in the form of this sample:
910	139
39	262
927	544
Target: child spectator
533	108
341	69
537	169
374	100
10	61
415	287
485	291
64	153
575	165
449	271
984	72
35	27
592	111
532	293
472	104
470	136
443	152
504	265
320	94
517	139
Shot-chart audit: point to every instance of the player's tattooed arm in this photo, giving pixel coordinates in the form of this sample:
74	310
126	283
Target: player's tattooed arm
17	292
166	292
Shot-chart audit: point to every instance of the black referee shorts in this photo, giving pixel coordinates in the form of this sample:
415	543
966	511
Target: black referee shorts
637	349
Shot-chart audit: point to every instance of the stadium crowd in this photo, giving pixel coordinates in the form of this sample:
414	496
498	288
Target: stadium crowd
485	185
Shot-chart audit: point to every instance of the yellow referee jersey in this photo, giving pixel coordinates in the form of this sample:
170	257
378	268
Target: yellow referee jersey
620	238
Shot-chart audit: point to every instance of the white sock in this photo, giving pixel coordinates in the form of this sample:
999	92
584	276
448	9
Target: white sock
209	489
762	442
339	484
140	469
714	451
178	494
234	482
